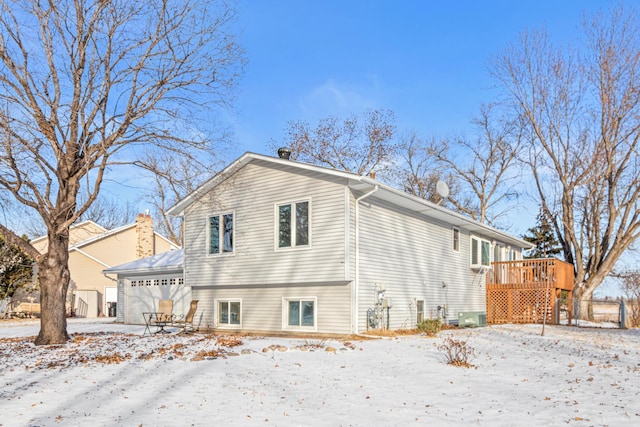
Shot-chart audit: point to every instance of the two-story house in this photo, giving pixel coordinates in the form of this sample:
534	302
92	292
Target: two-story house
273	244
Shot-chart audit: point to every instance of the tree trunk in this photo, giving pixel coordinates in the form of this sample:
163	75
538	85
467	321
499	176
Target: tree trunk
585	308
54	282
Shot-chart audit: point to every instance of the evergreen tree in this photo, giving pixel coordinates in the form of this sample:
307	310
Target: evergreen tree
15	268
543	237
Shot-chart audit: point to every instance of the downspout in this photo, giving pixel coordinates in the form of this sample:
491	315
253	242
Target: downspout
357	278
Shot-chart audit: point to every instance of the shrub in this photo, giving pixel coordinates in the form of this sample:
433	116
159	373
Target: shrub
430	326
457	352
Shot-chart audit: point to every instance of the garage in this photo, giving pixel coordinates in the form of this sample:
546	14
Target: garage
143	283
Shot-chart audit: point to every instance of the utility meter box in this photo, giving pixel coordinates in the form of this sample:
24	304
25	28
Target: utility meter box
472	319
386	303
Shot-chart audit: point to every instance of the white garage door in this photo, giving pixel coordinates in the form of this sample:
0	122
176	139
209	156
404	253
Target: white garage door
142	294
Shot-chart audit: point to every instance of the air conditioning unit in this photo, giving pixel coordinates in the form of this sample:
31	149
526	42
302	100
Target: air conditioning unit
472	319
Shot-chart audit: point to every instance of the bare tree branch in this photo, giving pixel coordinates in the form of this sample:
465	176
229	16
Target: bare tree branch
87	84
483	167
582	106
358	145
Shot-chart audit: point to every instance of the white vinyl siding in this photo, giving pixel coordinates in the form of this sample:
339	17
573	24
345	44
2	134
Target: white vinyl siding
262	306
415	262
252	193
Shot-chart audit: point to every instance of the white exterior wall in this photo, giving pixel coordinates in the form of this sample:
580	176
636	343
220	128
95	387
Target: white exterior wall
413	257
262	307
257	271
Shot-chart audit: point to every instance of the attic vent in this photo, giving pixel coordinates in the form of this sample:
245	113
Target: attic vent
284	153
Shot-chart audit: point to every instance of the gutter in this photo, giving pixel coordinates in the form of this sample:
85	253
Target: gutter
357	278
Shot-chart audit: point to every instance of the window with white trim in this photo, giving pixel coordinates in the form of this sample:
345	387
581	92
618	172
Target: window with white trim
299	313
229	312
455	232
419	311
293	224
480	252
220	234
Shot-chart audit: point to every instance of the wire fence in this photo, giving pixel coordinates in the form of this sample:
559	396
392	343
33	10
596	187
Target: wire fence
594	313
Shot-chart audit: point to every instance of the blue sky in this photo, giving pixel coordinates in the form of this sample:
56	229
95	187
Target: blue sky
426	61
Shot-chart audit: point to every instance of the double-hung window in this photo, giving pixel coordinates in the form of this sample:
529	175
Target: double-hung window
455	232
293	224
229	312
299	313
419	311
221	235
480	252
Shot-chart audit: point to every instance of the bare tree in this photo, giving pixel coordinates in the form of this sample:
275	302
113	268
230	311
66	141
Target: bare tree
174	177
358	145
110	213
484	167
419	171
581	104
84	85
107	212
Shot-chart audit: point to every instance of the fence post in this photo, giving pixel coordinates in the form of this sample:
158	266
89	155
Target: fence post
623	315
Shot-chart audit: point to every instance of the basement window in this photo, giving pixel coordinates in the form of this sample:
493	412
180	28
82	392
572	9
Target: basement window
299	313
229	313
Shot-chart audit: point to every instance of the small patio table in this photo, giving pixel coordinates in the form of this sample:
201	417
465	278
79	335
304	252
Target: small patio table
148	319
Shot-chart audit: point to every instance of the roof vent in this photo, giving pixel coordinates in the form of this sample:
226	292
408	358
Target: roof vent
284	153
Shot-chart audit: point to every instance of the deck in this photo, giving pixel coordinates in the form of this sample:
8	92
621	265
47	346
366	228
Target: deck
527	291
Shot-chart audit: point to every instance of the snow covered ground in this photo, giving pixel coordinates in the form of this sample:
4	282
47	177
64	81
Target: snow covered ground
109	375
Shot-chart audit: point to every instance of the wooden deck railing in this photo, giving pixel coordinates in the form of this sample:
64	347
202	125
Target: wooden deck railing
536	273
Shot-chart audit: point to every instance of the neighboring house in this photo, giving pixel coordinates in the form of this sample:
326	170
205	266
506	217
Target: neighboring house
276	245
93	248
143	283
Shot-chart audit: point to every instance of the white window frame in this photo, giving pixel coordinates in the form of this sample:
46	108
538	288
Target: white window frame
221	235
285	314
217	313
294	244
455	239
479	242
418	319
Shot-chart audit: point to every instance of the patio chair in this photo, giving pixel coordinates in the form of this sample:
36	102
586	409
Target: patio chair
185	324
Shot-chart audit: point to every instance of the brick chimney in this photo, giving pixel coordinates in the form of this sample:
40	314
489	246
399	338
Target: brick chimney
145	245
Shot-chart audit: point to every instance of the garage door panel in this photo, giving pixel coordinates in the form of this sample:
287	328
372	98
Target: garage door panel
145	297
